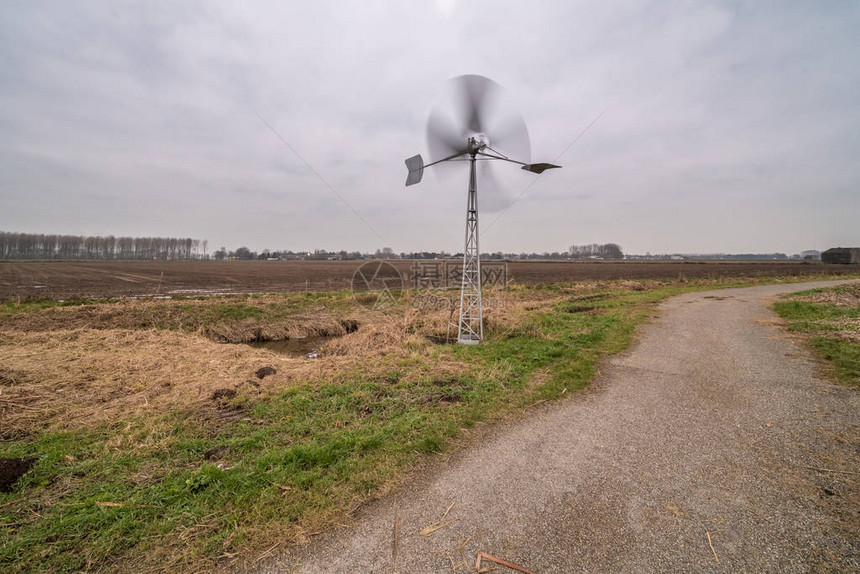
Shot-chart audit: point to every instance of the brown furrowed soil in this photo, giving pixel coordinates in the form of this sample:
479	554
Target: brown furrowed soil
101	279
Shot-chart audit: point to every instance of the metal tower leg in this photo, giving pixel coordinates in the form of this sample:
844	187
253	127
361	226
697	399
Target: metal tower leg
471	329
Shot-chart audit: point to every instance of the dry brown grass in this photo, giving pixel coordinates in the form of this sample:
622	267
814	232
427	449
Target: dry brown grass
77	367
845	296
67	368
64	379
73	378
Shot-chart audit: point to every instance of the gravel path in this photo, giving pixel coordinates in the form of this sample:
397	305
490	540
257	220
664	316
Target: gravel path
714	423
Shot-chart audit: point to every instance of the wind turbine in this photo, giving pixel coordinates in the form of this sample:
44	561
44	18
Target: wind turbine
476	131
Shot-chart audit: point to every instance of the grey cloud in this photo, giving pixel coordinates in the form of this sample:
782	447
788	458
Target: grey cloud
728	124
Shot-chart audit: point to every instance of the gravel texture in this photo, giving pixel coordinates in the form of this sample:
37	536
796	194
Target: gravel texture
715	423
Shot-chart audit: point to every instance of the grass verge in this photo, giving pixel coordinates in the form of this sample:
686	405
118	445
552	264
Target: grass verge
159	449
830	321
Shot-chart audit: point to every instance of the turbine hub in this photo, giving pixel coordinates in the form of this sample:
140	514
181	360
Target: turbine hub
477	143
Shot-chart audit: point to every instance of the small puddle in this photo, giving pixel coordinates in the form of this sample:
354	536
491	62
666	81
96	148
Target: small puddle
295	347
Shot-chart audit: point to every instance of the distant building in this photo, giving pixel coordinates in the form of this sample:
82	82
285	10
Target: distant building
843	255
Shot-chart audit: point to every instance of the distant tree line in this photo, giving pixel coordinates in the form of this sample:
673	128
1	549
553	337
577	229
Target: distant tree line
595	251
14	245
713	256
736	256
41	246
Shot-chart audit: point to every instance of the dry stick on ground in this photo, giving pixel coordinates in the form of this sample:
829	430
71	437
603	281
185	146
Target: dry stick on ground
441	523
461	547
396	534
485	556
266	554
534	404
712	547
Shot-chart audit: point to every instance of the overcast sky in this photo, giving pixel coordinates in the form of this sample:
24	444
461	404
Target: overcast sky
729	126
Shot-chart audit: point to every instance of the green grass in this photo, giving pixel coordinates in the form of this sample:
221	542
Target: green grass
824	324
296	461
844	356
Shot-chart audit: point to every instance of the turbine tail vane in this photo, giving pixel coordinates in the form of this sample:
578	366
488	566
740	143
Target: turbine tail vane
415	165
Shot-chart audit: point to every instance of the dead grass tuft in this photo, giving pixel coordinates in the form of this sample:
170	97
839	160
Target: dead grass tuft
67	379
82	377
845	296
60	378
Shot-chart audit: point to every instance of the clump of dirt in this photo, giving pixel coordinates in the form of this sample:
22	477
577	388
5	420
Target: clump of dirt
448	398
578	309
11	469
216	452
264	372
350	325
223	394
443	398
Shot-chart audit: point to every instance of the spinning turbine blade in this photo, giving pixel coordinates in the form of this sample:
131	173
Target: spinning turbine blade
495	196
475	96
444	137
510	136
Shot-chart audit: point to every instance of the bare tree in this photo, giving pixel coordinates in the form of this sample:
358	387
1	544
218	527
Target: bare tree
14	245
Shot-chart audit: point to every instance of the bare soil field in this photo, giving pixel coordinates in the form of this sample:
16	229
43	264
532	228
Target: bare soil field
101	279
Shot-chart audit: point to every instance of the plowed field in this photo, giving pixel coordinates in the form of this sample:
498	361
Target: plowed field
98	279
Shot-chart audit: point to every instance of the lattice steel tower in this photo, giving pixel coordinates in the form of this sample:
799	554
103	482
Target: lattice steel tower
470	329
